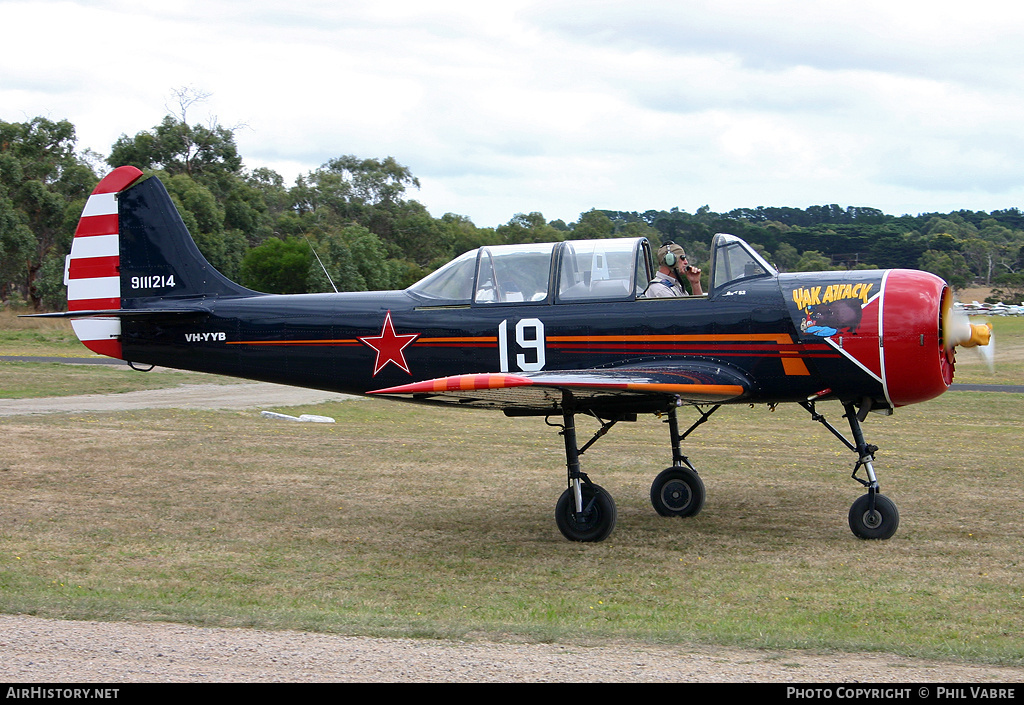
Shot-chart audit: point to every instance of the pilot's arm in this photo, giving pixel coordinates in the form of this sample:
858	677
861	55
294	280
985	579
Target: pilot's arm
693	276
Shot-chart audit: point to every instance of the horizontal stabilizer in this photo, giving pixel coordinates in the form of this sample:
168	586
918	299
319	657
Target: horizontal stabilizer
123	313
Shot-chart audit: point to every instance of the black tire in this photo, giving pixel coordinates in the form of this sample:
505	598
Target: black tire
878	524
677	492
596	522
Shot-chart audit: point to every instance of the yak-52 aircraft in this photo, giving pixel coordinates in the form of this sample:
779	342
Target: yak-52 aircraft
554	329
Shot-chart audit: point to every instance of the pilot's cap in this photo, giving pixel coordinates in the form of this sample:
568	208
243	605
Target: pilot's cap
670	253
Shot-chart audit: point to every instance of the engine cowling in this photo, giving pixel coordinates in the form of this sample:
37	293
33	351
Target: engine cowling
916	364
896	325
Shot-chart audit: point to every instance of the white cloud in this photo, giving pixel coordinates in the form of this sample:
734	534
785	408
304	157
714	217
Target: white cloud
560	107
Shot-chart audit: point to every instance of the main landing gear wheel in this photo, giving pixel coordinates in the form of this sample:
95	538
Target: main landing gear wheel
878	523
677	492
597	520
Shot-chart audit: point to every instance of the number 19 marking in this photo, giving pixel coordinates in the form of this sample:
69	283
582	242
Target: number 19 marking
529	336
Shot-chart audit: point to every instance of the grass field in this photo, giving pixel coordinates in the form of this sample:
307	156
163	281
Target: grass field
47	337
38	336
405	521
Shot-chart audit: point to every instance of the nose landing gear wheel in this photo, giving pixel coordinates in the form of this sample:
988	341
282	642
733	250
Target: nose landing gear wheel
878	523
677	492
597	520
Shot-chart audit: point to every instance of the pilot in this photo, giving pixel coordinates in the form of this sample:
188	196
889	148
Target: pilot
672	269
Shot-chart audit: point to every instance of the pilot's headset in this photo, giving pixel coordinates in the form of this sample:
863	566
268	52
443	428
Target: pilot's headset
669	257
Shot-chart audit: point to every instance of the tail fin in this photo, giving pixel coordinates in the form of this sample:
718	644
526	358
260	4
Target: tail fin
92	270
132	254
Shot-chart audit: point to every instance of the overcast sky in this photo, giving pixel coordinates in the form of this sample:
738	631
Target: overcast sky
560	107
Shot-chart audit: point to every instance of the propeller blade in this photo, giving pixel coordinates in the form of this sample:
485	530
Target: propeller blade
988	350
958	331
956	328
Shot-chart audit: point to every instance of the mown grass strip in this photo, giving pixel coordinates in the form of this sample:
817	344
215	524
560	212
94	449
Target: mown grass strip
407	521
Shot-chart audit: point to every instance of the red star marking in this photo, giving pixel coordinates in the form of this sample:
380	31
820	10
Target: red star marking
389	346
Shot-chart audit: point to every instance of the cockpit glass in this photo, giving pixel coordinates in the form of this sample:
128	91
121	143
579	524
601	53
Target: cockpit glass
734	259
451	282
589	270
513	273
598	270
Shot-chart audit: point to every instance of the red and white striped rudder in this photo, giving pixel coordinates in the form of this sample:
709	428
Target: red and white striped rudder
92	270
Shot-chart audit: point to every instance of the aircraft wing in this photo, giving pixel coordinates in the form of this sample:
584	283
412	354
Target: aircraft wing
637	388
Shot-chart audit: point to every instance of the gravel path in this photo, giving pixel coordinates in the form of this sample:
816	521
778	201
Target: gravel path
34	650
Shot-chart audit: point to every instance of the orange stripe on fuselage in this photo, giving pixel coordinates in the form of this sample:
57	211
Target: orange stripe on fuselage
697	338
472	341
352	341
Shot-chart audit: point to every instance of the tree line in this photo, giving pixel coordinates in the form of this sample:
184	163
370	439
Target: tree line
356	215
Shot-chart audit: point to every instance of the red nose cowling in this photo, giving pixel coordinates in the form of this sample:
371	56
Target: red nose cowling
915	363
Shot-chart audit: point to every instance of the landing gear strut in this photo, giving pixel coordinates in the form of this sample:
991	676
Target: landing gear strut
873	515
585	511
678	491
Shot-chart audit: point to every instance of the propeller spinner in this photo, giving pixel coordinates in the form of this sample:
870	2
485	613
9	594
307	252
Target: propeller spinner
957	330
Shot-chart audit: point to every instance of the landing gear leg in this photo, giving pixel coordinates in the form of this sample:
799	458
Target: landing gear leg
678	491
585	511
873	515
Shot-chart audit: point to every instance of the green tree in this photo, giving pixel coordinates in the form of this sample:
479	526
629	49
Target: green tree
894	250
42	178
953	225
266	200
786	257
593	225
355	259
375	182
367	255
224	210
17	247
1009	288
420	238
675	225
951	266
464	236
527	227
812	261
639	229
368	192
347	186
981	255
278	266
176	147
